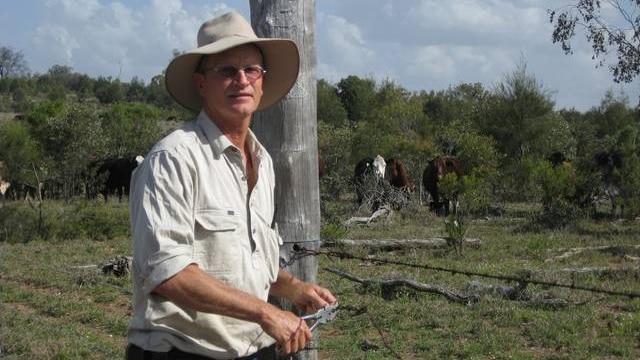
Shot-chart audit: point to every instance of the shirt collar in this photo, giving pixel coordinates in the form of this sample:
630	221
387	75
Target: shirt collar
219	142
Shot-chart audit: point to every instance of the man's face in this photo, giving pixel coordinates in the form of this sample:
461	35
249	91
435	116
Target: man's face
230	99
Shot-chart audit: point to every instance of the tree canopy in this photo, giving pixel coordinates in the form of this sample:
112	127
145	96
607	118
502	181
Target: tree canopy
611	26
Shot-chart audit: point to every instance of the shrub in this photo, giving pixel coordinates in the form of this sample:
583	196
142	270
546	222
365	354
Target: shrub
20	223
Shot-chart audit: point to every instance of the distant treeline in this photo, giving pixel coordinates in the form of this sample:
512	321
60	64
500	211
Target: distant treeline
504	136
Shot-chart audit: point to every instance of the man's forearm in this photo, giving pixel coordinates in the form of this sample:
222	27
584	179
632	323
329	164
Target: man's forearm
285	285
195	289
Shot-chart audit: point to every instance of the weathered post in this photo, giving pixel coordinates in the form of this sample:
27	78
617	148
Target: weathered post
289	131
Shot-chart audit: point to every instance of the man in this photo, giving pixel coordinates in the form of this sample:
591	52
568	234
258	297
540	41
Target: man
202	206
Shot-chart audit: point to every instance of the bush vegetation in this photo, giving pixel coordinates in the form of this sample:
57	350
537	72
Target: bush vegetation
526	209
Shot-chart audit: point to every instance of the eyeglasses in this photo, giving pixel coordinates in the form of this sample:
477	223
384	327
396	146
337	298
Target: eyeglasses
252	72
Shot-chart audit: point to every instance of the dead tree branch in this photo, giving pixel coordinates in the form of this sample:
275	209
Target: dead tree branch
575	251
397	244
390	286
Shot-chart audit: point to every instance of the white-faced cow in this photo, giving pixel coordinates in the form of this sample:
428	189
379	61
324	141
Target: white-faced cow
368	178
4	185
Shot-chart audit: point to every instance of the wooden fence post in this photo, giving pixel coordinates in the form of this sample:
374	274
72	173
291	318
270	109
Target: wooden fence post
289	132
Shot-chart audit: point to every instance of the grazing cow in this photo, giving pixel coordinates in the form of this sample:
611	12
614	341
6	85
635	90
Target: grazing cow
368	178
557	158
397	176
115	176
437	168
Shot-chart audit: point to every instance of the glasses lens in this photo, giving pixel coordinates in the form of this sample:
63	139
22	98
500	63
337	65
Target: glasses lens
253	72
227	71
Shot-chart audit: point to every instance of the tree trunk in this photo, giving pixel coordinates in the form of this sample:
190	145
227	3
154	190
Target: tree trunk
289	132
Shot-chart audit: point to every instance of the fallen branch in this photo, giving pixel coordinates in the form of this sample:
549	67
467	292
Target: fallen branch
475	290
383	211
389	287
600	271
575	251
397	244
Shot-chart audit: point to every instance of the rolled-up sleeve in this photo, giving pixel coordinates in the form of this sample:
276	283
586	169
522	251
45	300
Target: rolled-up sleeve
161	210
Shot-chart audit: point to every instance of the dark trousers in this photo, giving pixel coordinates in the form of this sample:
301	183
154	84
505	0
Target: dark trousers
136	353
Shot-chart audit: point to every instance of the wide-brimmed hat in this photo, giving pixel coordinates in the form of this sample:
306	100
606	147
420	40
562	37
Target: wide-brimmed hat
280	56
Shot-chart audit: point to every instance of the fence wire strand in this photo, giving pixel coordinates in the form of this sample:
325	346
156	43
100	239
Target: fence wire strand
300	253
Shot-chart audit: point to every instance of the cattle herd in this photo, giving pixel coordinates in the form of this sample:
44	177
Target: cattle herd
377	181
103	177
380	182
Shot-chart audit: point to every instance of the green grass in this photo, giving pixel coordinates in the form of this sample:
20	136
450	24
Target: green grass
56	304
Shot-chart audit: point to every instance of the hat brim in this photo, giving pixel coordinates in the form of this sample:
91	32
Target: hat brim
281	59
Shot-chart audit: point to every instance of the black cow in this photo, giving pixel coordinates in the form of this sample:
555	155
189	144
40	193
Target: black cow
113	176
437	168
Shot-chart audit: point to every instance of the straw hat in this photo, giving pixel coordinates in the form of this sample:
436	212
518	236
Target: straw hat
280	56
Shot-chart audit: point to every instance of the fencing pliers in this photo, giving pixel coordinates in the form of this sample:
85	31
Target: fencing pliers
322	316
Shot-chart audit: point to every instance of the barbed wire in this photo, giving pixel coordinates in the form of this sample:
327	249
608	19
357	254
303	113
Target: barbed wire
300	253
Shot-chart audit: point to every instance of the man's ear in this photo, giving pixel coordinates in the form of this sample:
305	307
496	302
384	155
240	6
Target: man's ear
199	82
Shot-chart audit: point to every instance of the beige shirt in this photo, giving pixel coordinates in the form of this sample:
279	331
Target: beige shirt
189	204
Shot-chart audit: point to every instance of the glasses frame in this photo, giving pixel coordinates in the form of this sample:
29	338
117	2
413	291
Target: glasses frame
218	71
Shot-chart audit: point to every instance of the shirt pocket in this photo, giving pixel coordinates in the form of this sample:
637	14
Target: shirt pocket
216	248
269	242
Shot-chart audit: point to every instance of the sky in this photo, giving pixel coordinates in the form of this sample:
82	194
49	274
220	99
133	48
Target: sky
428	45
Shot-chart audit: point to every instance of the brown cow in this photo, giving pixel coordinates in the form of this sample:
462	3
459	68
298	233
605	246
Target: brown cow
437	168
397	176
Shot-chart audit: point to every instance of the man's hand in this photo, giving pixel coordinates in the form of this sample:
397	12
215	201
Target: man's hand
290	332
311	297
305	296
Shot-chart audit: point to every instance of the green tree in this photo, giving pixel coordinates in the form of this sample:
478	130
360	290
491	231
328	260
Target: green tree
330	109
72	136
618	34
131	128
479	159
464	102
357	96
135	90
108	91
19	152
520	116
156	93
12	63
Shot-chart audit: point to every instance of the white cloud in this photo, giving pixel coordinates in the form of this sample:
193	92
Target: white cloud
118	40
344	47
55	44
76	9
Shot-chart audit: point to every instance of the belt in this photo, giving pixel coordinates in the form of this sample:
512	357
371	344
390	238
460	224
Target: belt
137	353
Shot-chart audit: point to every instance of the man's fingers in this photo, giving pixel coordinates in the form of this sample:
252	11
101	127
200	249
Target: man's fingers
297	339
302	341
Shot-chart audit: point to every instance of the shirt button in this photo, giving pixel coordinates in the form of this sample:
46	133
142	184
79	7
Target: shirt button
244	178
253	230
